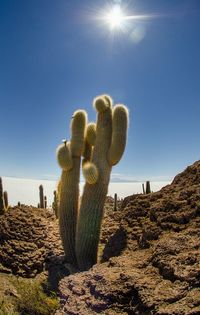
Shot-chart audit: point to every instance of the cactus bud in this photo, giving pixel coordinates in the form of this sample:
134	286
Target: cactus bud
91	133
64	156
101	103
90	172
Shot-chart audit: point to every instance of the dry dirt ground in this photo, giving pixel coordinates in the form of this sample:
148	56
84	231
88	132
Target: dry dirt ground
149	261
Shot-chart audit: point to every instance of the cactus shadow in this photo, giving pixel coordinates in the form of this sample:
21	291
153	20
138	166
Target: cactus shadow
115	245
57	270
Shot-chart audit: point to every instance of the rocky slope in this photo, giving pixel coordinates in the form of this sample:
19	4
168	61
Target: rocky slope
156	241
28	238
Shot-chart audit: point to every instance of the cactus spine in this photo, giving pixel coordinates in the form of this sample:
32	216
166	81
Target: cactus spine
102	145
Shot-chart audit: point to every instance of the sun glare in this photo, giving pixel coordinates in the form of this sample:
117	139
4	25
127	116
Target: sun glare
119	20
115	17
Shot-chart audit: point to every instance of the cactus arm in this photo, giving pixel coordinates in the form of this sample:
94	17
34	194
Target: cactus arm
119	134
78	125
91	133
90	172
87	153
89	142
93	199
64	156
69	187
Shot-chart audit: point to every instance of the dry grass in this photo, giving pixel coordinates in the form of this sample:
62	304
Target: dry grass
27	297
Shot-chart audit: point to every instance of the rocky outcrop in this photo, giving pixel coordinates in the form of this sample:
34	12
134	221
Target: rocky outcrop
28	238
156	241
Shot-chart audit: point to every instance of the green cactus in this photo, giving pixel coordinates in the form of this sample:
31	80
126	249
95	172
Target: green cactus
102	145
107	151
55	203
5	199
1	197
115	202
69	159
41	196
148	187
143	189
45	202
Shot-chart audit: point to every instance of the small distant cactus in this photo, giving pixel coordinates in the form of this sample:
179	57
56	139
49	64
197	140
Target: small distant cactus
55	203
143	189
148	188
5	199
45	202
102	146
1	197
115	202
41	195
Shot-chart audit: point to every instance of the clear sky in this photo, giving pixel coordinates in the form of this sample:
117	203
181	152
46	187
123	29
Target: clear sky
55	57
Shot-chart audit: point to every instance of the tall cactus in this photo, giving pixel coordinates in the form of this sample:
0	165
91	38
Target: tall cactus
111	129
102	146
69	159
1	197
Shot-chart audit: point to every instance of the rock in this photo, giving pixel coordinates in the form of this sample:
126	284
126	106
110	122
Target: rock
28	238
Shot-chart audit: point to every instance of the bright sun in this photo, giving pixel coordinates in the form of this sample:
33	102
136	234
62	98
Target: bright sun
118	20
115	17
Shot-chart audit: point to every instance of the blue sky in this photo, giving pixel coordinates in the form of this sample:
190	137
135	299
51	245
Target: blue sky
54	58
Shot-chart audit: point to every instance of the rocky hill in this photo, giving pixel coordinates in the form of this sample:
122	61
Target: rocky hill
155	239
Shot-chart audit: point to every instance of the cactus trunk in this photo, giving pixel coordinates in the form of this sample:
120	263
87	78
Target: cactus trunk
68	209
